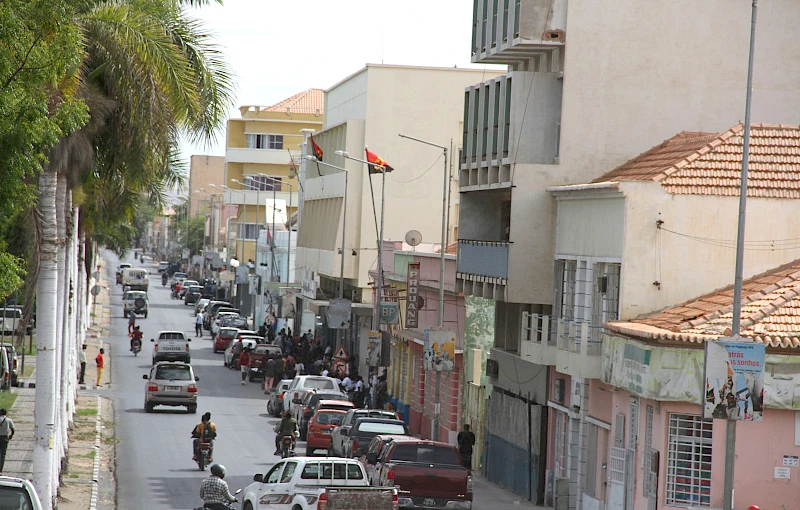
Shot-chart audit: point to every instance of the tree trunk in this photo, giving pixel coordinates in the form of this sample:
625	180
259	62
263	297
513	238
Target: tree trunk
66	330
46	315
61	231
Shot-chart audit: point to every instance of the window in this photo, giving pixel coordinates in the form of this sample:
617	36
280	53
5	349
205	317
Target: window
274	474
340	471
174	373
249	231
310	472
288	472
426	454
354	472
262	183
567	290
689	461
380	428
264	142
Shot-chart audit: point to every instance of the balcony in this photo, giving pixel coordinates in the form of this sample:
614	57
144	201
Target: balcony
482	268
248	197
261	156
509	31
570	346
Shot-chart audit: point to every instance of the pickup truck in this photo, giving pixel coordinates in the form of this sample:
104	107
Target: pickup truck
171	346
298	483
428	474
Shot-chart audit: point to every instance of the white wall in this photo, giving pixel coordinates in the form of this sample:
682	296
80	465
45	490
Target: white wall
590	227
347	100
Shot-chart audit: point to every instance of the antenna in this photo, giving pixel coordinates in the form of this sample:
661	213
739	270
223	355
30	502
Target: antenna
413	238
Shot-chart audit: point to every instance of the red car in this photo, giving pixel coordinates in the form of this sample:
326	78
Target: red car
224	338
320	427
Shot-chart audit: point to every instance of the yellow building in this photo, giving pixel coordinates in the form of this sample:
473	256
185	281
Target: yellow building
260	149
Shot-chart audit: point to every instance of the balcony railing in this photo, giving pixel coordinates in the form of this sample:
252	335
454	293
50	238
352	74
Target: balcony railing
565	335
483	258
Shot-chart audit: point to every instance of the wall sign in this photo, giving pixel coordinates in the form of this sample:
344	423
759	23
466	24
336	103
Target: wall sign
412	296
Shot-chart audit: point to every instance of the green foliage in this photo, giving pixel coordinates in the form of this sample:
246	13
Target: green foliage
11	273
196	230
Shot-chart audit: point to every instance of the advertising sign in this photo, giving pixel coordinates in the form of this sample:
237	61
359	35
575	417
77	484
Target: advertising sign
339	314
309	289
390	313
440	350
412	295
734	381
374	347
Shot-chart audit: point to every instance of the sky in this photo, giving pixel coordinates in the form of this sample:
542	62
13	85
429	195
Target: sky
279	48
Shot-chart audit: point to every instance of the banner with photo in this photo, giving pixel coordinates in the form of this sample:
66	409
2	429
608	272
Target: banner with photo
734	381
440	350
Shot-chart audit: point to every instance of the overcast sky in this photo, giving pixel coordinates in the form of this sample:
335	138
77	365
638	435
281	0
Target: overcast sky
279	48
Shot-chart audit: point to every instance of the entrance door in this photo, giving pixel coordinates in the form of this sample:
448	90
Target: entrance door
616	479
633	438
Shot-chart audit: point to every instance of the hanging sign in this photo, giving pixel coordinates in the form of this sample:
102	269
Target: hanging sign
734	381
374	346
412	296
390	312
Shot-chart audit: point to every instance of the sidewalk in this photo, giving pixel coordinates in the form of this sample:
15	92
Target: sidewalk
487	495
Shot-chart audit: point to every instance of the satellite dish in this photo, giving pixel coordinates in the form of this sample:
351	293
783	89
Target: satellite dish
95	290
413	237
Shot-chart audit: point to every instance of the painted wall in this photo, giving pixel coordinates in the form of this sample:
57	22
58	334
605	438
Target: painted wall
204	170
590	227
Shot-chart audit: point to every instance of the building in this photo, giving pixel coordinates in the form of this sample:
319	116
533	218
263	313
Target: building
370	108
204	170
587	89
261	158
658	230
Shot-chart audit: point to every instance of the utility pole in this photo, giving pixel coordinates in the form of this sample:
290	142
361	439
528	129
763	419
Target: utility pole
730	426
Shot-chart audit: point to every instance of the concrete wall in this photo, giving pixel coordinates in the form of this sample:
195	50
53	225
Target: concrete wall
592	227
347	100
536	112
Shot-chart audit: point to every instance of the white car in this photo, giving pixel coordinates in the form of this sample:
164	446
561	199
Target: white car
235	348
303	383
18	493
220	315
171	346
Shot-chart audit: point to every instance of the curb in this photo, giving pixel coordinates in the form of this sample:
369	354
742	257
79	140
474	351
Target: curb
26	384
96	467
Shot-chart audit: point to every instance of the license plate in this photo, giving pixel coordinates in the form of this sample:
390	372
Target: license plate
326	432
172	388
429	502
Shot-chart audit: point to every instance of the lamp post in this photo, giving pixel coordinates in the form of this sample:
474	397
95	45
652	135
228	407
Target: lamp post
258	201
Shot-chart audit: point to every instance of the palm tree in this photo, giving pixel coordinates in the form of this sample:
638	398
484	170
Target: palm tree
150	74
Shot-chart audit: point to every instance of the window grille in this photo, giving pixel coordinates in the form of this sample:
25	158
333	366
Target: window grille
264	142
605	299
248	231
561	450
262	183
689	461
568	289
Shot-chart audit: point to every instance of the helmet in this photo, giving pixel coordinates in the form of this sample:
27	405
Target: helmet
218	470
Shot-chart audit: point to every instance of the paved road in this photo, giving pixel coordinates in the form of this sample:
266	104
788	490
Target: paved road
154	463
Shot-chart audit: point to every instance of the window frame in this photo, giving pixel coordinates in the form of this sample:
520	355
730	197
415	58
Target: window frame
689	440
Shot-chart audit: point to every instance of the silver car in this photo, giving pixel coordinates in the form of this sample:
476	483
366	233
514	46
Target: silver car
171	384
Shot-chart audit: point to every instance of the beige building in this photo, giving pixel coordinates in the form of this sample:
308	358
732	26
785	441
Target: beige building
204	170
261	157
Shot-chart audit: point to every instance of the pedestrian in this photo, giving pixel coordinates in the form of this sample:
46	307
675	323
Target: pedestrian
359	392
83	364
269	374
6	433
466	440
280	363
198	324
131	321
244	363
101	364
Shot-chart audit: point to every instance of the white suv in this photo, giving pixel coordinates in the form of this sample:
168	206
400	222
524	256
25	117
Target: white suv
303	383
171	346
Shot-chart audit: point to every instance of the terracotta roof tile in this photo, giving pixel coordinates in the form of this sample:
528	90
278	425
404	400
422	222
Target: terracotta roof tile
309	101
710	163
770	313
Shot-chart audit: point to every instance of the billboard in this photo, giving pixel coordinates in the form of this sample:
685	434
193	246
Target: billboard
440	350
734	381
374	348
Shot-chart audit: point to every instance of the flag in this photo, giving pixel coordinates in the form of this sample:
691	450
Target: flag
375	161
315	149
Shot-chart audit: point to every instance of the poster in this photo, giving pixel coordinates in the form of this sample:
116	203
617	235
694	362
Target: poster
440	350
374	341
734	381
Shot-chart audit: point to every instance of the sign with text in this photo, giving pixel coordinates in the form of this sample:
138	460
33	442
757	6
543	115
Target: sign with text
390	313
440	350
412	296
734	381
374	347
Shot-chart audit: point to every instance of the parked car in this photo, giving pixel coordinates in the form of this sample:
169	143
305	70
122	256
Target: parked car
9	375
364	429
178	277
234	350
163	266
377	446
275	401
171	346
211	309
298	482
234	321
259	357
171	384
224	338
10	317
200	305
185	285
320	427
339	435
122	266
221	313
307	382
192	294
339	405
16	493
310	404
135	301
429	474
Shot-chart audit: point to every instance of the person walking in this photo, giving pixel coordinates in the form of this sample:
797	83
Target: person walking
101	364
198	324
269	374
131	321
6	433
466	440
244	363
83	364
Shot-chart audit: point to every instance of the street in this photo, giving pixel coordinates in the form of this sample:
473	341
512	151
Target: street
154	461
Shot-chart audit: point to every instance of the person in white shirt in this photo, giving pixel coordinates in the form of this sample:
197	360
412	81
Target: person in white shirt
198	324
358	394
325	373
6	433
83	364
299	367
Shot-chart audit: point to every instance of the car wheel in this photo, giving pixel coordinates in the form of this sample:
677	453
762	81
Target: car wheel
148	407
270	410
247	506
192	409
309	451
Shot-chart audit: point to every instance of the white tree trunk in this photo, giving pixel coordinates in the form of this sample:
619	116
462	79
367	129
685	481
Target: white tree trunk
66	343
46	317
61	231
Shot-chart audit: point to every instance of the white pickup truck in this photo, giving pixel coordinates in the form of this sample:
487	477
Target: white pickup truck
171	346
315	483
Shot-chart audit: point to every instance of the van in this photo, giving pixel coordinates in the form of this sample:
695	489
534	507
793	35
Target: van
136	279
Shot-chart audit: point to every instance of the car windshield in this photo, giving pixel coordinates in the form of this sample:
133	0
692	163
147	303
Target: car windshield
173	373
373	428
14	498
319	384
326	396
228	332
195	288
174	335
329	418
179	275
427	454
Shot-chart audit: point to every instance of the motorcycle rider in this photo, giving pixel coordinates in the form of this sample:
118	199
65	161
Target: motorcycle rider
204	432
287	427
136	335
214	490
164	279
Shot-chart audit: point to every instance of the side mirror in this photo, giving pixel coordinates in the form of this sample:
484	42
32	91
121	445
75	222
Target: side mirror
188	339
145	377
196	378
345	431
237	492
152	339
372	458
258	477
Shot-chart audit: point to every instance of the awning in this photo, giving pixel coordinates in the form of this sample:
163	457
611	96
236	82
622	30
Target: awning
326	302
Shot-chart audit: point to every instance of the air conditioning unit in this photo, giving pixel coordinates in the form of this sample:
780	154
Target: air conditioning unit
492	368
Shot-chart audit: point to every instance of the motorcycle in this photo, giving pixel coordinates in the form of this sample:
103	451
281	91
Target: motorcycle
164	280
203	454
141	260
287	446
137	347
222	505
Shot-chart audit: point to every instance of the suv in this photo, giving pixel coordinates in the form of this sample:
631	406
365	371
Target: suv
135	301
10	317
163	266
339	434
171	384
192	294
171	346
301	384
363	430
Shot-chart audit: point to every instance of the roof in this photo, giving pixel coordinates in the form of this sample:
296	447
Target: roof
770	313
698	163
309	101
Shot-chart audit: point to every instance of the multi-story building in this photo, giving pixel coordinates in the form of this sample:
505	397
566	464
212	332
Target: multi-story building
261	160
204	170
632	74
370	108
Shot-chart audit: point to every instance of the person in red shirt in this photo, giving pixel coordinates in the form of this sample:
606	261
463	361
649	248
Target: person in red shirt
136	335
244	363
101	364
